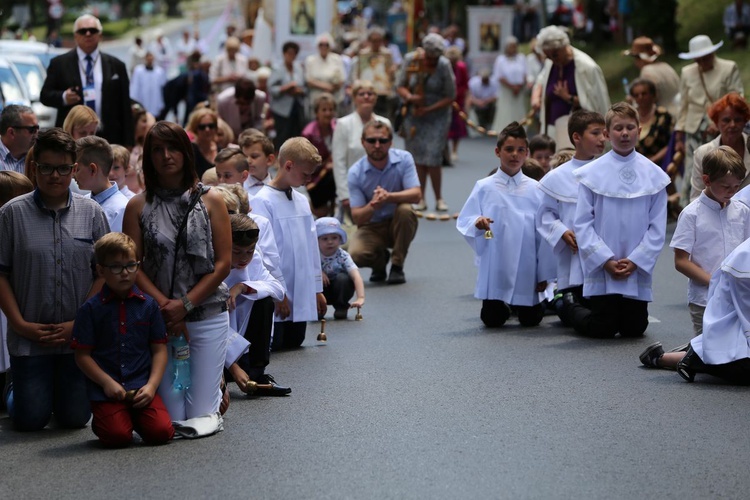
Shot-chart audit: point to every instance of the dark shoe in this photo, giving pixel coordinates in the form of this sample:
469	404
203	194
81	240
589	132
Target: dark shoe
340	313
686	366
379	275
569	299
651	355
274	390
396	276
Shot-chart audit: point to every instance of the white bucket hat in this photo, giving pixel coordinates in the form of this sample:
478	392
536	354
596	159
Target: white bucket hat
330	225
700	46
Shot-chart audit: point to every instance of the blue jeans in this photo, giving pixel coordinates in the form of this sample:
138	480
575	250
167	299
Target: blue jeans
43	385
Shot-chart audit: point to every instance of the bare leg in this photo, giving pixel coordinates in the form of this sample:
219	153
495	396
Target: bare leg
455	146
436	176
670	359
422	174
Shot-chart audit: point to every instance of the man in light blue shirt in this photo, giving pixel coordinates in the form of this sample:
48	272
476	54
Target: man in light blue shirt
18	130
382	186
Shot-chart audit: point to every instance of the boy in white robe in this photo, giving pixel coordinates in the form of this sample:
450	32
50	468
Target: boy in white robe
297	242
620	226
723	349
497	220
556	215
253	291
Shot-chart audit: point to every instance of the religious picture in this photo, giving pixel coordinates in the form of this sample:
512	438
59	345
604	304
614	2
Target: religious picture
489	37
374	67
303	17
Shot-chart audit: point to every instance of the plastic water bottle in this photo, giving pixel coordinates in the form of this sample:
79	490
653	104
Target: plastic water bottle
181	362
626	86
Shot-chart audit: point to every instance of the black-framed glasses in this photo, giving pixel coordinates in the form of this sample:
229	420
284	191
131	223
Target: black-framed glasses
207	126
376	140
131	267
62	170
31	129
87	31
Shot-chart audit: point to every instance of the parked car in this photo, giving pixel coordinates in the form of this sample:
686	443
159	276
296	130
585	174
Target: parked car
40	50
13	88
33	75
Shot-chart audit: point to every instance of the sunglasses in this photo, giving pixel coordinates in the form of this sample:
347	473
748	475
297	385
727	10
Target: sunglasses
62	170
87	31
377	140
31	129
207	126
131	267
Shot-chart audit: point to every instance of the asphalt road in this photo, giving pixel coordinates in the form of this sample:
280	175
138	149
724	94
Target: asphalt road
418	400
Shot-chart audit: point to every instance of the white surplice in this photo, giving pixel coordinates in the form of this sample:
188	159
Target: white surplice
297	241
267	248
557	215
146	87
621	213
726	322
516	258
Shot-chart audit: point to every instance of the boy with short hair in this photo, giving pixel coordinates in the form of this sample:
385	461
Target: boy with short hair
708	230
259	151
556	215
92	174
620	226
231	166
294	230
120	169
508	274
253	291
46	272
120	343
341	276
541	149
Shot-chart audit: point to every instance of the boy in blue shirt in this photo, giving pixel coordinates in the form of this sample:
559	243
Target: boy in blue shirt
120	341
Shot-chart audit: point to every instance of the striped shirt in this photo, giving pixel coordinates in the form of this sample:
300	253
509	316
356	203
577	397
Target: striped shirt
8	162
48	258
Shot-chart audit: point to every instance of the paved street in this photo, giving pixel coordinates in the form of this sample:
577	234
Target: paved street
418	400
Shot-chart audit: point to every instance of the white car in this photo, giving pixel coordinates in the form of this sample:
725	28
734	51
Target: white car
12	87
33	75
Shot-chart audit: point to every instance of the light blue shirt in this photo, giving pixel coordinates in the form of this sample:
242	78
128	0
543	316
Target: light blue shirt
113	202
399	174
9	162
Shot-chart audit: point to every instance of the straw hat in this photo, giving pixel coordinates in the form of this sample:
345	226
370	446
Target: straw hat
644	48
700	46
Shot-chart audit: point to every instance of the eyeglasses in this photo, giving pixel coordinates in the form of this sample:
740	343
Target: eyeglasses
366	93
62	170
207	126
131	267
31	129
377	140
323	45
87	31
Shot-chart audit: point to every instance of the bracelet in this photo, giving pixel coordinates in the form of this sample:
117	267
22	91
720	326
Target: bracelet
187	304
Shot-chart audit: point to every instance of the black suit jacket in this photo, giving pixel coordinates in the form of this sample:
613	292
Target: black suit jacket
116	119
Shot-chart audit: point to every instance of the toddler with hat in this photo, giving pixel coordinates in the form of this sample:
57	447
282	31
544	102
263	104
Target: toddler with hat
341	276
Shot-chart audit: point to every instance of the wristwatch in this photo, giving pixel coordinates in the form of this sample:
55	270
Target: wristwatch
187	304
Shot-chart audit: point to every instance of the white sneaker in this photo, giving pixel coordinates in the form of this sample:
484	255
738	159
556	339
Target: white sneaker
421	207
441	206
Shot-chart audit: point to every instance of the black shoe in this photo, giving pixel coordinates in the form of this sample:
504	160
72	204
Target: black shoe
686	366
396	276
651	355
379	275
569	299
274	390
340	313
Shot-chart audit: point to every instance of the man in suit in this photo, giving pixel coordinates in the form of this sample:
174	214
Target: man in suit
87	76
241	106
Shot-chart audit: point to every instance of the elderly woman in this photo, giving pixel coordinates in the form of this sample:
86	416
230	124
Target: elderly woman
229	66
427	86
322	187
656	122
571	80
203	124
324	71
510	74
347	136
287	88
730	113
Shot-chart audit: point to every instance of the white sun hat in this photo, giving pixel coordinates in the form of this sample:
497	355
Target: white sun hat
700	45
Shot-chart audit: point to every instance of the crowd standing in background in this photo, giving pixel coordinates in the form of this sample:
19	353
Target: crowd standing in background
232	272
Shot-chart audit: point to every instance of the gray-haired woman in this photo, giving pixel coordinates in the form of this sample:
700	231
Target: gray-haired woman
427	87
571	80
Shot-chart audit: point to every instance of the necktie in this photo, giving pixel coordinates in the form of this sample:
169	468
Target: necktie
89	70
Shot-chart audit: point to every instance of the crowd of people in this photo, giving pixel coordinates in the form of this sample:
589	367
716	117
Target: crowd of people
181	256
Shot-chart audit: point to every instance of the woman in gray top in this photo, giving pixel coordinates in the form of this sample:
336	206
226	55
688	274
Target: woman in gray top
183	238
427	88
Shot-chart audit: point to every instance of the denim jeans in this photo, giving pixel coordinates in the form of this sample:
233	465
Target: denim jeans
43	385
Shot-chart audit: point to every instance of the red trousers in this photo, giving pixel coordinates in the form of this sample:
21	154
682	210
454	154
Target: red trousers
115	421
